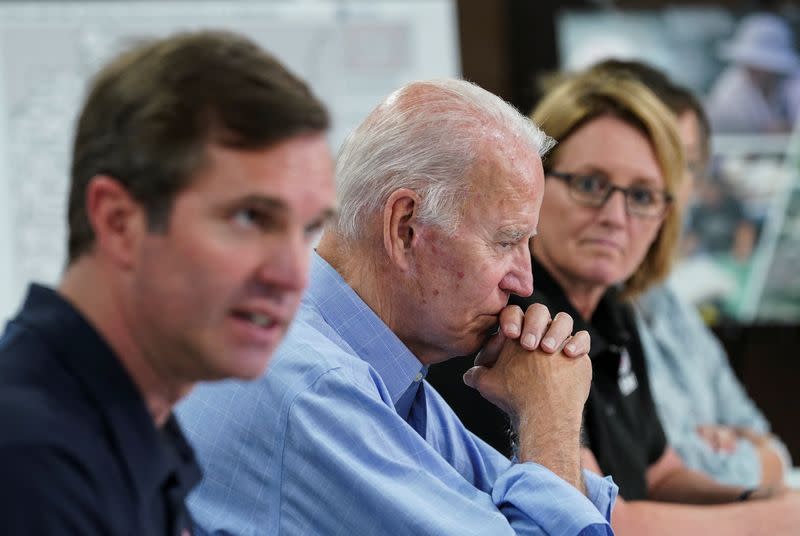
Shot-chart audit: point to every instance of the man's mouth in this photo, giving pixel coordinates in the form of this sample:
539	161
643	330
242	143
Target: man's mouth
261	320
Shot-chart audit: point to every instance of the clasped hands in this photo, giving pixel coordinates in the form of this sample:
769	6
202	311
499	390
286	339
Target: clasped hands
535	365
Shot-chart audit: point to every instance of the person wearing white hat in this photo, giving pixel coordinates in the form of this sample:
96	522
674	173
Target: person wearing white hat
760	91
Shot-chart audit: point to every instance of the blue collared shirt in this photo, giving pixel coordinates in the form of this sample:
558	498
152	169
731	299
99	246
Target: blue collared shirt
693	384
344	436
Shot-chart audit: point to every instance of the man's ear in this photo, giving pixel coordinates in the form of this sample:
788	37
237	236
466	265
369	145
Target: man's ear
400	225
117	219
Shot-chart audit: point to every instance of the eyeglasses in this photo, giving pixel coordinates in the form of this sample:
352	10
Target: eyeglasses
595	190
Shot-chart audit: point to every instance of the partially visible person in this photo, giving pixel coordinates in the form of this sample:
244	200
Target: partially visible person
200	175
607	232
759	92
705	411
439	192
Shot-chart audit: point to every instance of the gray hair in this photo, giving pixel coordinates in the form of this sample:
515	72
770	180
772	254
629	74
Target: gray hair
425	137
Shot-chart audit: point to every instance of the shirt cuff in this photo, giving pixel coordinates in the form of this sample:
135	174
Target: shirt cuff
529	490
601	491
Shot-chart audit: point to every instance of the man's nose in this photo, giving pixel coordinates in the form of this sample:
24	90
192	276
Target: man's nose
285	265
519	280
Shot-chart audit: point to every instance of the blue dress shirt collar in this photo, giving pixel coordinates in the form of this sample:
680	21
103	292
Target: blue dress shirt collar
368	336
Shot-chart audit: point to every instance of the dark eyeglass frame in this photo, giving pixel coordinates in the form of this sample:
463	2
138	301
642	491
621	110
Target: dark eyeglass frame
568	178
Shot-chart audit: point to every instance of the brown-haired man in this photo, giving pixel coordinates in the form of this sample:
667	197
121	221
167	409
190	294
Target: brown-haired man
200	175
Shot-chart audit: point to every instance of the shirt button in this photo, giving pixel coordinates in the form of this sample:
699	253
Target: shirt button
418	377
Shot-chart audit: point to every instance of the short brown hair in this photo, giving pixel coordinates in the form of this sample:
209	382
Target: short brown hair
677	98
578	99
151	112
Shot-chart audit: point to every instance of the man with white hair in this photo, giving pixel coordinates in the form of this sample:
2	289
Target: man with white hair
439	193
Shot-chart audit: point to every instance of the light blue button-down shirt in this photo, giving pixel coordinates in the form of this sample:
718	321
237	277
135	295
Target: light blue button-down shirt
693	385
344	437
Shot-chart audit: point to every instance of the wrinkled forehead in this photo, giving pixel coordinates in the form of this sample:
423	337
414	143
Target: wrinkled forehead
507	162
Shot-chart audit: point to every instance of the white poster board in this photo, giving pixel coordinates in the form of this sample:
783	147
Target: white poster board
352	53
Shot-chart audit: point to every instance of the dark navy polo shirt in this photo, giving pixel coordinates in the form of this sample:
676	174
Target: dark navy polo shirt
621	426
79	451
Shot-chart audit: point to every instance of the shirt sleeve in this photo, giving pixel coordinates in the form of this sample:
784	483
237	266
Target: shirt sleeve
740	467
380	476
736	408
514	488
350	465
726	399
